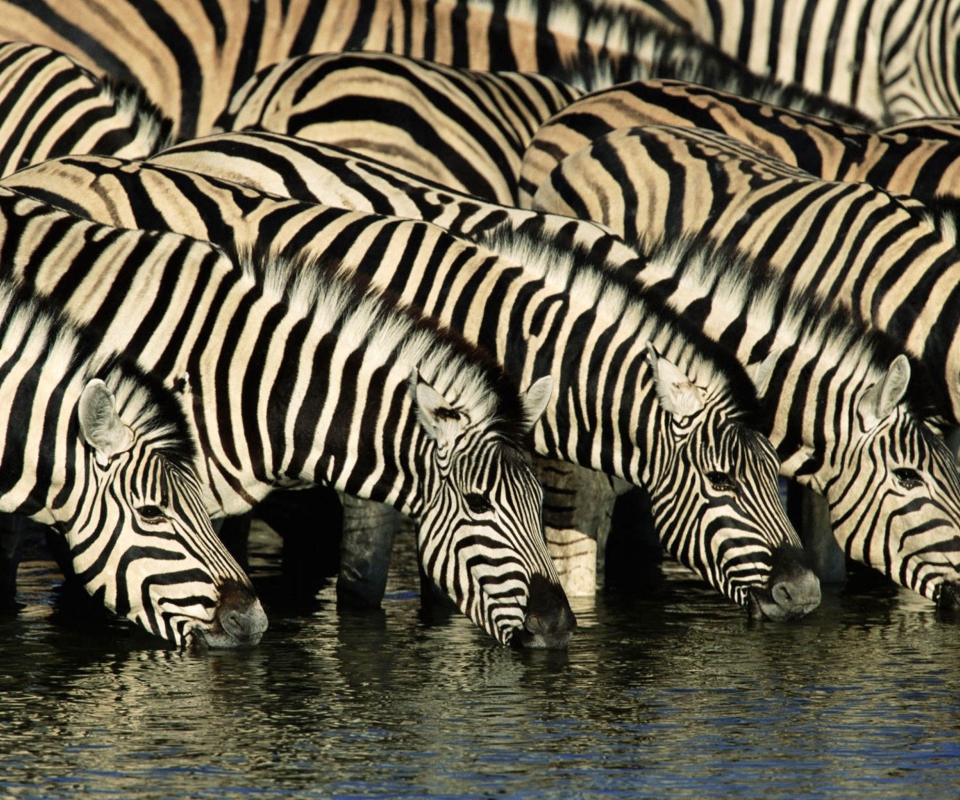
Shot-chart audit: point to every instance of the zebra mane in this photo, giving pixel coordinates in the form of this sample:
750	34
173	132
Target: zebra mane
69	350
467	376
148	126
738	280
661	52
600	283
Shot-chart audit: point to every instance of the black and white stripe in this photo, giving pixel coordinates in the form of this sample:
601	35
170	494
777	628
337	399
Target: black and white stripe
539	308
817	451
879	474
50	106
460	127
191	60
102	453
892	61
415	417
921	159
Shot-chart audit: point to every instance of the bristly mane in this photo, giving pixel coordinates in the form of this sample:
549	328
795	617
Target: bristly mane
147	122
659	52
72	350
602	284
467	376
741	281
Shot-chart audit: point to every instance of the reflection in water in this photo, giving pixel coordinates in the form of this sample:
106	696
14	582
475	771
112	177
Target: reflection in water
672	694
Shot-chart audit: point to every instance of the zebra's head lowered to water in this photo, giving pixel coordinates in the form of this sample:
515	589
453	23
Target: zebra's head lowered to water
475	523
714	494
107	461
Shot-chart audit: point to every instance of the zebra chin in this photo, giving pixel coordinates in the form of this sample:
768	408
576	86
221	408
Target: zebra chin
792	591
239	620
948	597
549	622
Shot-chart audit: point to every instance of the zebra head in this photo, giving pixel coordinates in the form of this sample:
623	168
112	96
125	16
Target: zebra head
140	537
715	496
480	531
895	499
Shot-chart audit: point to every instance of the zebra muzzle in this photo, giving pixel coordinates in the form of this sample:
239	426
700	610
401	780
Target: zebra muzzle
549	622
793	590
239	620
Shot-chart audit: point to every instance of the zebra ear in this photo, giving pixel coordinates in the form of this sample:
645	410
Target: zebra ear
882	398
535	400
440	420
100	424
677	394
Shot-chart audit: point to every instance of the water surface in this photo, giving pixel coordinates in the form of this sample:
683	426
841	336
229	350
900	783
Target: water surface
668	693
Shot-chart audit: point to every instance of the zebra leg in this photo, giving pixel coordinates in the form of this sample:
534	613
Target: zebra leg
577	508
10	553
369	530
811	516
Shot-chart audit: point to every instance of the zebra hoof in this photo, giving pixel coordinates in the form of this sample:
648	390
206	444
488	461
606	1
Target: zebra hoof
549	623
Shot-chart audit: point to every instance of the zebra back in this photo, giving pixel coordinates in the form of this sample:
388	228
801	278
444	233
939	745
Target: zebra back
51	106
891	259
758	312
466	129
102	452
416	417
891	61
902	160
191	60
536	312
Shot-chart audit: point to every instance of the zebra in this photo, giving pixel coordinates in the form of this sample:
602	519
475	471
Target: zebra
453	124
904	160
101	452
893	260
190	61
417	418
659	410
892	61
52	106
847	358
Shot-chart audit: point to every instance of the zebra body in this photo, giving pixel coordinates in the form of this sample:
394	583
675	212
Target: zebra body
52	107
891	259
922	162
892	60
458	126
645	415
852	467
191	60
102	453
252	349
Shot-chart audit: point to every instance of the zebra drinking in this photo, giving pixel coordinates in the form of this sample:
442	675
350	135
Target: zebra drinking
412	415
102	453
670	416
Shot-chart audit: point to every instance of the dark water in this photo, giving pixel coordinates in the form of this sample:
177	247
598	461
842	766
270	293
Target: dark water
674	695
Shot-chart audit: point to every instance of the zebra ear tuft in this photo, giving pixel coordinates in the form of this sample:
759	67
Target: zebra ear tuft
674	389
535	399
880	400
100	424
439	419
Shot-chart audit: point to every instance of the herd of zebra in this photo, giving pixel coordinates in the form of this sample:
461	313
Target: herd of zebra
485	264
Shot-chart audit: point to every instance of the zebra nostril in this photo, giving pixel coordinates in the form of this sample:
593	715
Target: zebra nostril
549	622
240	614
948	599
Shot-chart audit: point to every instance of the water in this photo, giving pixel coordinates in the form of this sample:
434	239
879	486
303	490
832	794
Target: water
672	694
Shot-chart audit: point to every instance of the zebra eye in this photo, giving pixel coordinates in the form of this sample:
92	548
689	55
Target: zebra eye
478	503
151	514
721	481
908	478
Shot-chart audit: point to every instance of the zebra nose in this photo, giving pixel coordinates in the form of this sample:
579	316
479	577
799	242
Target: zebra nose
240	615
793	589
948	598
549	623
